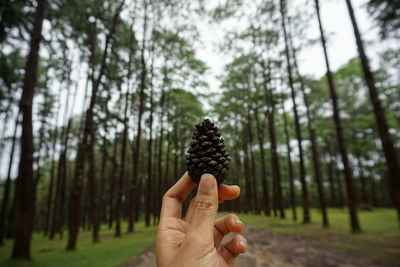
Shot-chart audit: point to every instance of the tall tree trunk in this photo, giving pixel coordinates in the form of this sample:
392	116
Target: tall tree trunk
76	189
121	180
249	203
275	165
264	179
53	216
290	166
351	195
103	168
314	142
5	128
304	190
7	186
167	160
253	166
238	164
150	182
92	188
365	199
389	150
25	206
330	174
112	212
104	164
136	153
160	179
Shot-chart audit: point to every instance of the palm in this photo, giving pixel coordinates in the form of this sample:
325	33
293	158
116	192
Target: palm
174	234
182	241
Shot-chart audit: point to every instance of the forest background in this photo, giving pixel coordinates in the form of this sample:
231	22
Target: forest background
99	99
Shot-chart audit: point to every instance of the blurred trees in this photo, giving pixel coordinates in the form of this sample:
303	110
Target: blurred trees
97	109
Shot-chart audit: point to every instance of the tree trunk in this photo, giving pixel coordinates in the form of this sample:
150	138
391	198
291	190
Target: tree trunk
104	164
160	179
25	206
392	158
304	190
103	168
7	187
264	179
136	153
314	142
270	115
290	166
351	195
92	188
150	182
75	196
121	180
112	213
330	174
253	183
361	176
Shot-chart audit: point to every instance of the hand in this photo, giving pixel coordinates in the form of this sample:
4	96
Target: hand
196	240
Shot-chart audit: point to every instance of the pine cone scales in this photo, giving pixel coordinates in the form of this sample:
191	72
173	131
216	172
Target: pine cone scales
207	153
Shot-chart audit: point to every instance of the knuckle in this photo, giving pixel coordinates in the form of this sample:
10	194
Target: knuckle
231	217
204	206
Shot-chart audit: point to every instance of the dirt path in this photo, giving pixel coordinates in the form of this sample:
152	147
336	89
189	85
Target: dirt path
270	249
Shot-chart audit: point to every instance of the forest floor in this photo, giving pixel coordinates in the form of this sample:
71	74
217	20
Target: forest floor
272	242
275	242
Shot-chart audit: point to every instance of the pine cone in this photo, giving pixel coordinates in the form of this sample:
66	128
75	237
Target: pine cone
207	153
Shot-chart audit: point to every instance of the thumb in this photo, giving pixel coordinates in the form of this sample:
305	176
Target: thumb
205	206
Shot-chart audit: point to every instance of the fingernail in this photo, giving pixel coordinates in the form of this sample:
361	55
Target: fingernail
242	243
237	220
206	183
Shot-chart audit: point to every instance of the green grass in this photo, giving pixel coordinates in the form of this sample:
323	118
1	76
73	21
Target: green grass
379	239
109	252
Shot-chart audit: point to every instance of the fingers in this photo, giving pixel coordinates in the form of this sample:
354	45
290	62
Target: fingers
228	192
172	200
190	210
230	250
225	192
225	225
205	207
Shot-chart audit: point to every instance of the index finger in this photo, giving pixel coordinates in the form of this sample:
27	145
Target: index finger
172	200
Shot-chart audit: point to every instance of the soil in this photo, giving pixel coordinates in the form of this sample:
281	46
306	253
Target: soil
267	249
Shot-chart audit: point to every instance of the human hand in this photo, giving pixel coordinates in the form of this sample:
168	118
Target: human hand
196	240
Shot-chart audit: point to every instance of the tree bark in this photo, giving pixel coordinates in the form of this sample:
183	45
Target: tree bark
304	190
318	177
25	206
270	114
7	186
290	166
264	178
139	126
76	189
92	188
150	179
121	180
330	174
389	150
253	183
351	195
112	212
249	207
